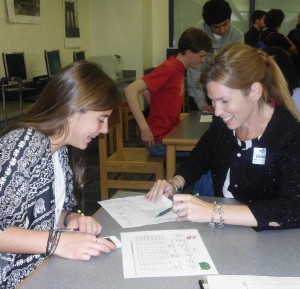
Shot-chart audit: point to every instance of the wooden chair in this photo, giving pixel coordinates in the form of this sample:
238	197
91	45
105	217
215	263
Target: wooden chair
127	117
125	160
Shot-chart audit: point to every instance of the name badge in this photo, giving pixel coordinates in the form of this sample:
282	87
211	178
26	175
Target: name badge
259	156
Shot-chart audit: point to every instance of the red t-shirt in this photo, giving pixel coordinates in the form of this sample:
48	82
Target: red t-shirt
166	84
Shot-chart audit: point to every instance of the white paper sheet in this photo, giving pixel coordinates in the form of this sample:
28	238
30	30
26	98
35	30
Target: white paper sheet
206	118
132	212
252	282
165	253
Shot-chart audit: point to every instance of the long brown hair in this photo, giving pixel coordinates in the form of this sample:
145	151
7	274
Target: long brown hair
81	86
238	66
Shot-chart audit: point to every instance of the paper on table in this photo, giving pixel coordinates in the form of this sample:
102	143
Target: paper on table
252	282
165	253
206	118
132	212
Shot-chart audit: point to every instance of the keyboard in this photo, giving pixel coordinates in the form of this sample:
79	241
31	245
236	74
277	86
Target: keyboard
15	87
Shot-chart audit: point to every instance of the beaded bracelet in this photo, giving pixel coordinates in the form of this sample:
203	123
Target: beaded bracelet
53	239
217	207
221	215
212	221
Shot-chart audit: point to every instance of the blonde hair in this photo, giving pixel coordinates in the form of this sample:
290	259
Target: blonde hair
238	66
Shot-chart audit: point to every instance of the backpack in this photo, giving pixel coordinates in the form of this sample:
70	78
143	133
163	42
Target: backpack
260	44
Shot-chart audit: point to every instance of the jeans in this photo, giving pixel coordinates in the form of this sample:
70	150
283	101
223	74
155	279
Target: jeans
204	186
159	149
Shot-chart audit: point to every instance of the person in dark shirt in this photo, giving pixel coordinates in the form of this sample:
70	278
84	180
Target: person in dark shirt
294	36
285	63
272	37
258	24
252	147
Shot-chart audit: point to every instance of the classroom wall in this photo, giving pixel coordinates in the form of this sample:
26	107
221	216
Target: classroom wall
33	39
137	30
160	26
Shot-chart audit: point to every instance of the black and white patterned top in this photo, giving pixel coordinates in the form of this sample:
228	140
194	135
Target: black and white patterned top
27	198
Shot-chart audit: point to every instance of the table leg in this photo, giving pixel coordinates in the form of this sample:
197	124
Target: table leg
170	160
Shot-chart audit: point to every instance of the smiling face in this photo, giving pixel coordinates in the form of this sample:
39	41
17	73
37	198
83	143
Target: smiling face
84	126
232	106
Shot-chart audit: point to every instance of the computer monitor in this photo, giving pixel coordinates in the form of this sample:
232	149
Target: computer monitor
14	65
53	63
78	55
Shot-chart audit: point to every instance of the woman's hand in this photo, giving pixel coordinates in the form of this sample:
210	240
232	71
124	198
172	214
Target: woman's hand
190	208
82	246
85	224
160	187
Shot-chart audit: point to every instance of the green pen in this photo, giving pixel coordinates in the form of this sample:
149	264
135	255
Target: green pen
171	208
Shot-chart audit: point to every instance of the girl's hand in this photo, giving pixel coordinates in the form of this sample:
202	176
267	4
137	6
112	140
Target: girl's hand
85	224
82	246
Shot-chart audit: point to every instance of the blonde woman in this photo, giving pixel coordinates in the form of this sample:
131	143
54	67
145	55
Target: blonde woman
252	147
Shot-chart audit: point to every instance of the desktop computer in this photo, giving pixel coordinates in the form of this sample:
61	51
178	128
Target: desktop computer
111	65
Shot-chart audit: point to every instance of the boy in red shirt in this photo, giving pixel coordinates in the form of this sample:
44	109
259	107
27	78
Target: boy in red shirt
166	87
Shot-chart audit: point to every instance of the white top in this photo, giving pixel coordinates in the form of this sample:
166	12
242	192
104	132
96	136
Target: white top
296	97
247	145
59	187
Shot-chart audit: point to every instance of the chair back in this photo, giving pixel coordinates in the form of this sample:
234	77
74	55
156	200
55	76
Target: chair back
118	164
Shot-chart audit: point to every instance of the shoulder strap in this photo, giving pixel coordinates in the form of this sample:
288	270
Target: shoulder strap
273	32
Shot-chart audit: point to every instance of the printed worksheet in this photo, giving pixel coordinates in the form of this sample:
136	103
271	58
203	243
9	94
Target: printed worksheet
252	282
132	212
165	253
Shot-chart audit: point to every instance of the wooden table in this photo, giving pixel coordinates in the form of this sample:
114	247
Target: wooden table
183	138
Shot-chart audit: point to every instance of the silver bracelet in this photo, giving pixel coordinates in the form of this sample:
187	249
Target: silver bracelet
182	183
212	221
221	215
217	207
180	179
174	185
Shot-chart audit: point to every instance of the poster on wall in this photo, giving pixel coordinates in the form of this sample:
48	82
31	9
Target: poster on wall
72	32
23	11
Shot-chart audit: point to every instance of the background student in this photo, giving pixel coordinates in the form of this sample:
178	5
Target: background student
42	166
294	36
164	88
258	24
216	23
285	63
271	36
252	147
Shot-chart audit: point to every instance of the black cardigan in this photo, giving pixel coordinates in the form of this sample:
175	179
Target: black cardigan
272	190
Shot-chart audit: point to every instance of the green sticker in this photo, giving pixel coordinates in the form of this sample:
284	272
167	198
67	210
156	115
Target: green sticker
204	266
